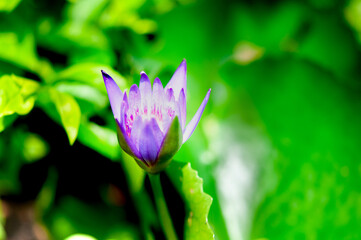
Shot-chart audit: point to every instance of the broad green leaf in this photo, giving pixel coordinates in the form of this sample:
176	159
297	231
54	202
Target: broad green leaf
17	96
89	73
69	112
124	14
19	50
8	6
190	186
83	35
101	139
94	98
86	10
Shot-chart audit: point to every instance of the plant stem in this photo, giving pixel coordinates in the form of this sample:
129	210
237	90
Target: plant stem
163	213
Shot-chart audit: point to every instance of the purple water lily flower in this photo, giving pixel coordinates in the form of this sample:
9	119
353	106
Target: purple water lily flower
151	123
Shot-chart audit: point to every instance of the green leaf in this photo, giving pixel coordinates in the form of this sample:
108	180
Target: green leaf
8	5
17	96
89	73
190	186
100	139
69	112
19	50
90	98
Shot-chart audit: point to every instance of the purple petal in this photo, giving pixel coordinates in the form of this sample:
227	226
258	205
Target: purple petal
150	141
125	142
125	100
134	98
182	108
193	123
136	131
114	94
169	107
123	111
158	93
170	94
171	143
157	132
145	91
179	79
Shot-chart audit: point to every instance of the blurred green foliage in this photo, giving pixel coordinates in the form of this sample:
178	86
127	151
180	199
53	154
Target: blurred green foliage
277	147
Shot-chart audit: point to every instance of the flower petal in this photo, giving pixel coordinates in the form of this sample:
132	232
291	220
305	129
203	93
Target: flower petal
123	110
134	98
170	145
125	142
169	110
182	108
158	93
145	92
114	93
193	123
170	95
150	141
179	79
136	131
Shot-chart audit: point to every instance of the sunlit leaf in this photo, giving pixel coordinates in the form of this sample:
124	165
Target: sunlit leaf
101	139
8	6
69	112
17	95
85	10
90	94
124	14
83	35
190	186
19	50
89	73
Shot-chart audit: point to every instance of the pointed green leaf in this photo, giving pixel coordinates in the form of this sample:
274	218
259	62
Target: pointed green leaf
190	186
69	112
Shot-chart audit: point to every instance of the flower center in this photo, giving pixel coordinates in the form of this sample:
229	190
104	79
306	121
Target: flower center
163	114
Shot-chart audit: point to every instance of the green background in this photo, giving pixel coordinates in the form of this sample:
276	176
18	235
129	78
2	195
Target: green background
278	146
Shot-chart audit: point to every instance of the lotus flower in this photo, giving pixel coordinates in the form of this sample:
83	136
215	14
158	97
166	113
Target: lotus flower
151	123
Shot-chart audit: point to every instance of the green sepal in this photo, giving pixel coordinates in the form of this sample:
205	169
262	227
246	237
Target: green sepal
170	146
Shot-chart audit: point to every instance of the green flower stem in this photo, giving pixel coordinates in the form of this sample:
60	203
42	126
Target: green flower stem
164	216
